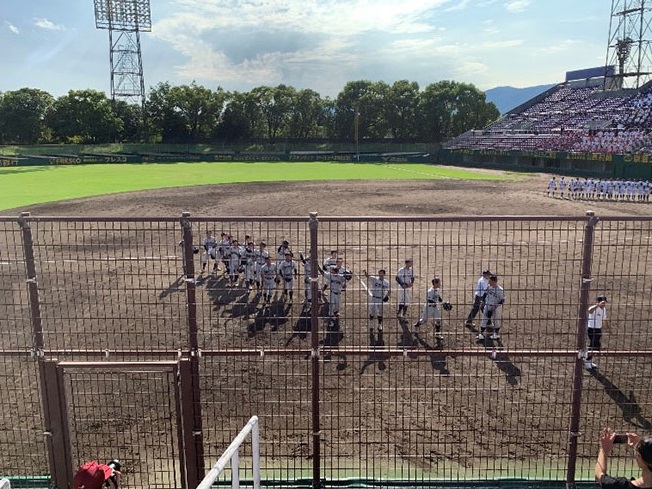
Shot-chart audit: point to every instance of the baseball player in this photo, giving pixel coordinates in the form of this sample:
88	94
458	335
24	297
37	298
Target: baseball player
562	187
331	261
307	274
431	308
405	279
210	251
269	275
261	254
223	250
596	323
378	290
335	279
480	289
552	186
234	253
248	260
283	248
287	269
493	298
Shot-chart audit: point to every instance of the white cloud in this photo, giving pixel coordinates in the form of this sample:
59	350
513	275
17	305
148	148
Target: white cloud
47	25
332	30
491	28
458	6
516	6
561	47
12	27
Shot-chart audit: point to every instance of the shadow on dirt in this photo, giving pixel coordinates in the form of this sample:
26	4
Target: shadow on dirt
632	412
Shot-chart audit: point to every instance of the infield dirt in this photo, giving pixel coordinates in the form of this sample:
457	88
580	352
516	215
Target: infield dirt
438	415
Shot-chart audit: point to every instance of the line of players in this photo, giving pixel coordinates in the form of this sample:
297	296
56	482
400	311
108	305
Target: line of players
249	266
601	189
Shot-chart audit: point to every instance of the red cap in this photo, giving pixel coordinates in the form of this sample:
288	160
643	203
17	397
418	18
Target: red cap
91	475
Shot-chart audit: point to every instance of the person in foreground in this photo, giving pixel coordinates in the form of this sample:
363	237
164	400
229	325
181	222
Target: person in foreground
642	454
94	475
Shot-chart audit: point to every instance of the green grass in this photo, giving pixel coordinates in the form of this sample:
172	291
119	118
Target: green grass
23	186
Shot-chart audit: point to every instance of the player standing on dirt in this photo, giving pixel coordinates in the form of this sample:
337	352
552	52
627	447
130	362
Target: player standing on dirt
378	290
596	324
223	250
269	274
234	254
283	248
287	269
493	299
261	255
552	186
431	308
335	280
210	251
249	261
480	288
405	279
307	274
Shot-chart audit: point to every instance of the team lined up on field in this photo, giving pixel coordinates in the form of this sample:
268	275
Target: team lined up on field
600	189
252	266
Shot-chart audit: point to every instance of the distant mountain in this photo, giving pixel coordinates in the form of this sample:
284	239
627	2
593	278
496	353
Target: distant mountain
506	98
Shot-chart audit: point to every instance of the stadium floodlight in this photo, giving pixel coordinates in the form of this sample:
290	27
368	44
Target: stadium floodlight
125	20
630	42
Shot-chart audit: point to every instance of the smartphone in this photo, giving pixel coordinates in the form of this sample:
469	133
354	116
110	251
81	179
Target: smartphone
620	438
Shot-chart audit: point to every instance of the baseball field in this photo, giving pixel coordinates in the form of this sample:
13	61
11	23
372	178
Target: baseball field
454	413
22	186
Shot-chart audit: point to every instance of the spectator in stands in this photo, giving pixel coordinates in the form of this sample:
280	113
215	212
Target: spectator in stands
642	455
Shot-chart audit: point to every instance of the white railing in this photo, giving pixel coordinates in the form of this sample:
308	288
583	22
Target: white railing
231	455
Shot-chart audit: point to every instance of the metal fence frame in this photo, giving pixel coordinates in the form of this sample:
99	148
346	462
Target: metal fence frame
187	362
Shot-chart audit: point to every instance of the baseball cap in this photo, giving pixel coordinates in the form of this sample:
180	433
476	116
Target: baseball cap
408	260
486	272
91	475
601	298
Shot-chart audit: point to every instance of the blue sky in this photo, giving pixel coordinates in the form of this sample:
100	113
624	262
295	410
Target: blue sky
319	44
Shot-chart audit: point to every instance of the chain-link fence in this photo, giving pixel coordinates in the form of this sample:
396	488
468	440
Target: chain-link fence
118	342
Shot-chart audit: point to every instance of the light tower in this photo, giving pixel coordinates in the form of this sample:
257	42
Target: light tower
125	20
630	42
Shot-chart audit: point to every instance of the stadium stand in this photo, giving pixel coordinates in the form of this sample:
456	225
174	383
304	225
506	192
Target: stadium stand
574	117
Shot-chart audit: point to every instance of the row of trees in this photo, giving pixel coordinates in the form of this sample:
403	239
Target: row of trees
192	113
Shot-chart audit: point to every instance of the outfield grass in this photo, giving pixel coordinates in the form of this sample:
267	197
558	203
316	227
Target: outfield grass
22	186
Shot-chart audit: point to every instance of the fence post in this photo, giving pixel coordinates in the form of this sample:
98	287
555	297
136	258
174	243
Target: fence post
32	285
57	436
189	277
55	429
576	403
314	345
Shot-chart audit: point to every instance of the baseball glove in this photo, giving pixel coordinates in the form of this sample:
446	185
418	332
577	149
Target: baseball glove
447	306
386	298
489	313
348	275
277	280
195	250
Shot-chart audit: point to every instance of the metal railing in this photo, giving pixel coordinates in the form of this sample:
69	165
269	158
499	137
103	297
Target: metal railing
231	454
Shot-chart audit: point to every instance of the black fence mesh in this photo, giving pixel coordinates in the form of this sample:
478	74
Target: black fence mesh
399	403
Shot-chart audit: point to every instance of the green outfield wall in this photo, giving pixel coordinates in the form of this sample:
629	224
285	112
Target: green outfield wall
599	165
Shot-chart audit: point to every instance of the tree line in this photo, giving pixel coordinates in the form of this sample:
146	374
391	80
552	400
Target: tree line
363	110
